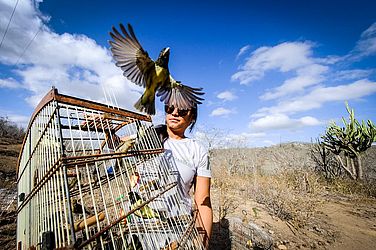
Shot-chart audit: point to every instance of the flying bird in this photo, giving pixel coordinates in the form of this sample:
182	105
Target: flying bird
154	76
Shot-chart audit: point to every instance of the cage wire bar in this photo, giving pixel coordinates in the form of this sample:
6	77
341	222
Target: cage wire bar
96	177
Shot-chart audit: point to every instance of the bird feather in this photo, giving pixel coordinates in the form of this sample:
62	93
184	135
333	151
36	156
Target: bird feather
154	76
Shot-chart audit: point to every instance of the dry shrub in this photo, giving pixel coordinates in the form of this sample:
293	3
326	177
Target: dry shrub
225	184
348	186
289	195
10	129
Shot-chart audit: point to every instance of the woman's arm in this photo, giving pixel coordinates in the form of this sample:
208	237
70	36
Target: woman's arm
202	199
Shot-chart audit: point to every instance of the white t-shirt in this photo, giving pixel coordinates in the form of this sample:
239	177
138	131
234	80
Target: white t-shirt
190	158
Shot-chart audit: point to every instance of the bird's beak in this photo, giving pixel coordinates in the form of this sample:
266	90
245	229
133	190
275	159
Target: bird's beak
166	50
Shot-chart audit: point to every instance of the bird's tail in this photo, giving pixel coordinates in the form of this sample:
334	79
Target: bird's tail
145	106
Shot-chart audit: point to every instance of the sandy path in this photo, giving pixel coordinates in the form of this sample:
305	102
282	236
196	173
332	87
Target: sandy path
356	223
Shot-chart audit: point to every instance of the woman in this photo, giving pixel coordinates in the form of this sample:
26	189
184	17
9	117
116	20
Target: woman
192	162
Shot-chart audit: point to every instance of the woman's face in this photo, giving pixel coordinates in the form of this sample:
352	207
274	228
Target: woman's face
178	119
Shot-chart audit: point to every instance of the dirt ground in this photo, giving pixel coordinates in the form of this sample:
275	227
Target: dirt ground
339	223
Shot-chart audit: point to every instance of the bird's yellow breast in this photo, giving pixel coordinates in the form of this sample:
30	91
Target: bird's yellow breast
161	74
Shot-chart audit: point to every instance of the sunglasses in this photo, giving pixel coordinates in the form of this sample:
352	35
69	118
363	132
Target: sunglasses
181	112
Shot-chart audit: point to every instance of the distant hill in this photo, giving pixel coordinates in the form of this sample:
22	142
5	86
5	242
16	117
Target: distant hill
287	155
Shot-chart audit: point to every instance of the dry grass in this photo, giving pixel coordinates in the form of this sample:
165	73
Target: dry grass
295	195
291	192
349	187
289	195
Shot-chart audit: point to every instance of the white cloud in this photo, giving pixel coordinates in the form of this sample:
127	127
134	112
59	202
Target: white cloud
227	96
307	76
9	83
331	59
222	139
352	74
245	136
306	82
25	23
283	57
21	120
319	96
366	45
222	112
242	51
268	143
282	121
73	63
159	117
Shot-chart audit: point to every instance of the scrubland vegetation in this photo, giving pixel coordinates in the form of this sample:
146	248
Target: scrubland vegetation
9	129
292	183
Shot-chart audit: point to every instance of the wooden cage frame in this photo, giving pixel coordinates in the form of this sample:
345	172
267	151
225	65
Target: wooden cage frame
80	163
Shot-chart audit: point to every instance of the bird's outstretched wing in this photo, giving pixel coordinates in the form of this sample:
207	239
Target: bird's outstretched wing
129	55
179	95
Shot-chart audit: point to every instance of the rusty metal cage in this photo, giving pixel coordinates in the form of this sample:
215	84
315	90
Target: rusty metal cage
92	176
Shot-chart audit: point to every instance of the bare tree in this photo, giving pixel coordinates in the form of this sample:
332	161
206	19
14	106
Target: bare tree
10	129
325	161
211	138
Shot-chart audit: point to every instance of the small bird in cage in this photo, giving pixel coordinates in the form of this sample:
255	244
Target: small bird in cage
135	244
145	212
94	175
72	183
78	208
132	244
170	246
126	144
150	185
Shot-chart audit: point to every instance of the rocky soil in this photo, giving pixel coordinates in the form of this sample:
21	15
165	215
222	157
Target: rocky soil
340	222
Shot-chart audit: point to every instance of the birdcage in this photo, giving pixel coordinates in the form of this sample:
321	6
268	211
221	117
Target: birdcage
91	176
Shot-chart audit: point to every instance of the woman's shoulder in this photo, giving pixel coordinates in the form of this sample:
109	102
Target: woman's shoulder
194	143
188	142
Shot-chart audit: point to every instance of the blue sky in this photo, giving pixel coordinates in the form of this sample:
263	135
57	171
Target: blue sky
273	71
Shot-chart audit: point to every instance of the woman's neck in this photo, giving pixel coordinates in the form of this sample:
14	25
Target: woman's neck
177	135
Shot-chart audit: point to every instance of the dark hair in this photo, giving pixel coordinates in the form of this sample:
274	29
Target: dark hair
194	112
161	130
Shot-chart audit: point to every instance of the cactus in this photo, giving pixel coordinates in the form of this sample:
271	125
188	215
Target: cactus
351	140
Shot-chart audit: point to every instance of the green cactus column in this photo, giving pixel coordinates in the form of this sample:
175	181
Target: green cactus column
351	140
